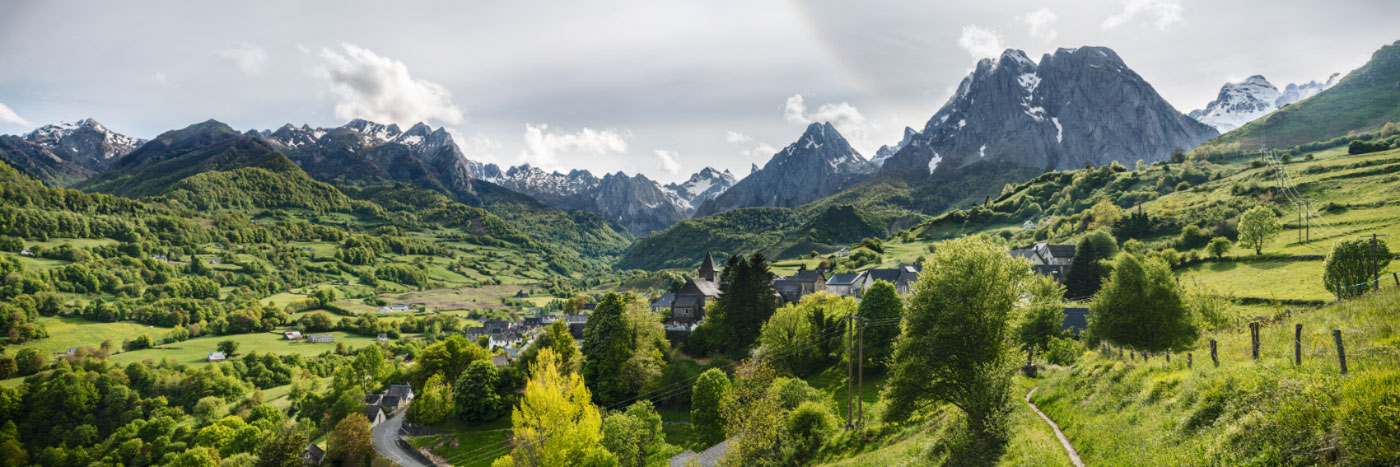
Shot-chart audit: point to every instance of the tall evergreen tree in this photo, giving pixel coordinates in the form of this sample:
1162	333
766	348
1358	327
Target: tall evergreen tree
1086	273
746	301
606	347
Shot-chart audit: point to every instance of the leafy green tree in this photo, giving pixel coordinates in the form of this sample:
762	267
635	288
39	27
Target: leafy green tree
196	457
1219	246
556	337
350	444
1347	271
753	418
793	338
808	427
475	396
880	303
1257	226
556	423
710	390
31	360
1141	307
435	402
746	301
229	347
1043	317
449	357
634	436
606	347
955	349
369	366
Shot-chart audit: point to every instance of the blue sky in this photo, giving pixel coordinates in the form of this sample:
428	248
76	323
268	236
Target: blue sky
658	87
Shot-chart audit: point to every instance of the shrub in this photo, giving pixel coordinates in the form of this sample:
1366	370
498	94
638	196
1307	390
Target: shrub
1064	351
809	426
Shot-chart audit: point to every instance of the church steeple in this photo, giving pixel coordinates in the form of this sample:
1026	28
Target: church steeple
707	269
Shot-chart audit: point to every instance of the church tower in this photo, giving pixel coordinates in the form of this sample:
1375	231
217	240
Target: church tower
707	269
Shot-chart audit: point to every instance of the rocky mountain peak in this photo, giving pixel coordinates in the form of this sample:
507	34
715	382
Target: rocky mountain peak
1239	103
1076	106
821	162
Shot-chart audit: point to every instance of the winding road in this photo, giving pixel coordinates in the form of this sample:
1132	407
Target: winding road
385	436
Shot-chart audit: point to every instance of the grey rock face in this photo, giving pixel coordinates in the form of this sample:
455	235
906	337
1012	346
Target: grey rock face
636	202
365	150
819	164
1238	104
1076	107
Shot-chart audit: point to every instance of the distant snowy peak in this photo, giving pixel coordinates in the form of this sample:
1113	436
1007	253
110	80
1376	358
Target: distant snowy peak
377	130
1297	92
1238	104
84	139
703	186
1243	102
886	151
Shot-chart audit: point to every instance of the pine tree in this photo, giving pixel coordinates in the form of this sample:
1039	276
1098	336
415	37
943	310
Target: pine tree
606	347
880	303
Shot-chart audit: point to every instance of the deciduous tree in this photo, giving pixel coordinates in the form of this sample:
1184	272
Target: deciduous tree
1258	225
556	423
475	397
1141	307
705	398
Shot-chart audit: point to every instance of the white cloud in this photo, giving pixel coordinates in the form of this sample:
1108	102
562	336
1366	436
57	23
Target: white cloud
670	161
1042	24
9	116
980	43
734	137
480	148
762	150
246	56
377	88
844	116
1164	13
161	79
543	147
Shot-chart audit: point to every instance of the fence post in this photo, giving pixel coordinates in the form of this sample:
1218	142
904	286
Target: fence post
1213	357
1254	339
1298	344
1188	360
1341	351
1396	276
1169	356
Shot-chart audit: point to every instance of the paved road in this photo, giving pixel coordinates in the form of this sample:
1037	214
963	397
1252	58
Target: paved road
385	434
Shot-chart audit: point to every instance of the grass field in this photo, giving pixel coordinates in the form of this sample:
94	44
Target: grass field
470	447
1265	412
65	333
196	351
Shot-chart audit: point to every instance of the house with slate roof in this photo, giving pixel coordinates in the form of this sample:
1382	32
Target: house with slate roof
843	284
688	305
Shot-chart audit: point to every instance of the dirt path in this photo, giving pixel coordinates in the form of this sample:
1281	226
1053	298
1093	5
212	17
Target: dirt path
1069	448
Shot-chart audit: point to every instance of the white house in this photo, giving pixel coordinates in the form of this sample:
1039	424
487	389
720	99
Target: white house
217	357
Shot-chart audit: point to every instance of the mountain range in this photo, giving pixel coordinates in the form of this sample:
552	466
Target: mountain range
1010	119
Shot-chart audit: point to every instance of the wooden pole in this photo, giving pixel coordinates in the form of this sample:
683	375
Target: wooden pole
1213	357
1298	344
1188	360
1341	351
1254	339
860	374
849	332
1375	264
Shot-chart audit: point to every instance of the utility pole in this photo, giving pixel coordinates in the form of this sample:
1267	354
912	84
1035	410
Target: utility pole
1300	221
1308	233
1375	262
860	373
849	334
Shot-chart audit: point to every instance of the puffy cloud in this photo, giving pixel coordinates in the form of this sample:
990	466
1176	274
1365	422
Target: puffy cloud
980	43
543	147
1163	13
369	86
1042	23
10	117
844	116
734	137
670	161
246	56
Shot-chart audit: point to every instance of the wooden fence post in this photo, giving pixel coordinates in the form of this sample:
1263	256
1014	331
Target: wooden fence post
1188	360
1396	276
1341	351
1213	357
1298	344
1169	356
1254	339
